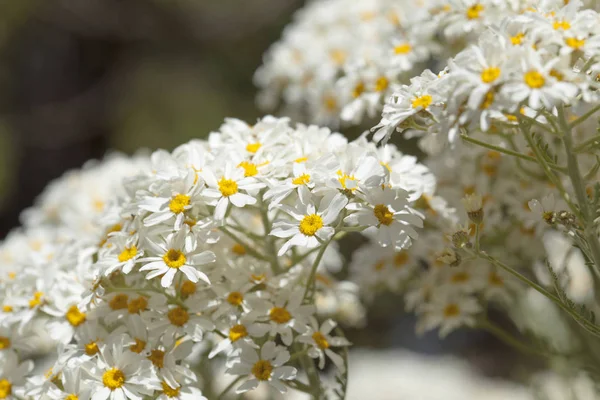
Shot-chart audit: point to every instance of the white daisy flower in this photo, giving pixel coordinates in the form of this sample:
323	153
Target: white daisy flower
321	341
311	226
13	375
266	365
172	256
227	189
119	374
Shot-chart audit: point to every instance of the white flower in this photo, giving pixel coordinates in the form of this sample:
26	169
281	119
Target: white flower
12	375
321	341
120	374
449	312
268	365
386	211
172	256
311	226
543	210
227	189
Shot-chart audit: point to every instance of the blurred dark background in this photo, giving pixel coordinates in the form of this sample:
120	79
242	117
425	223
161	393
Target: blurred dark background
79	77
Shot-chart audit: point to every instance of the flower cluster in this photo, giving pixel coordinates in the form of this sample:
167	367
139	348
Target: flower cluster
222	248
340	60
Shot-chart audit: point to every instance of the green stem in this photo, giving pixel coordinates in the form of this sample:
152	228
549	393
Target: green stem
509	339
587	220
271	248
509	152
229	387
580	147
313	270
583	118
542	161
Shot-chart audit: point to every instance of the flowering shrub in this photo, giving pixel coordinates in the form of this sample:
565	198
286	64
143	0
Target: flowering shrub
145	274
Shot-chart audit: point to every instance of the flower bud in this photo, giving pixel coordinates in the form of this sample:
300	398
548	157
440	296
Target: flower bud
473	204
449	257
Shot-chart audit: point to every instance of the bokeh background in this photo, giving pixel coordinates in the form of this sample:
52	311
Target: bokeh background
81	77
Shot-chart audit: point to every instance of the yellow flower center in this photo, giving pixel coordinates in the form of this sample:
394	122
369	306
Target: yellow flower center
474	11
422	101
320	340
460	277
237	332
228	187
262	370
178	316
383	214
358	89
301	180
401	259
235	298
330	103
344	178
404	48
37	300
138	347
72	396
488	100
280	315
574	42
451	310
310	224
7	309
91	348
238	249
4	343
157	357
495	279
178	203
564	25
253	147
5	388
301	159
118	302
113	378
534	79
517	39
137	305
169	391
174	258
490	74
74	316
250	169
381	84
127	254
188	288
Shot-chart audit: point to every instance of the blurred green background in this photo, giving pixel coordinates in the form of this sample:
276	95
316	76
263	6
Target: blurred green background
79	77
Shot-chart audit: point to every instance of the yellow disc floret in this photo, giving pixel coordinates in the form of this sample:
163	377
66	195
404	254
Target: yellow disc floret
227	187
178	316
174	258
490	74
534	79
383	214
179	203
5	388
237	332
127	254
74	316
113	378
279	315
422	101
310	224
262	370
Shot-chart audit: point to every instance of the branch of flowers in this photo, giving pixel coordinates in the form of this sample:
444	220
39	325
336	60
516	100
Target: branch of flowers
509	152
229	387
587	220
556	300
270	240
542	161
248	247
583	118
509	339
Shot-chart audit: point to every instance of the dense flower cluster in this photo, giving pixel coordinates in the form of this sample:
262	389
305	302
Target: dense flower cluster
221	248
339	60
